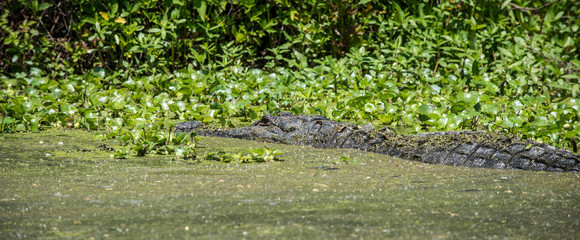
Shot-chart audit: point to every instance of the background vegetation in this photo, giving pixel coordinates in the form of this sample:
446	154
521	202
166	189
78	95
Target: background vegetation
130	67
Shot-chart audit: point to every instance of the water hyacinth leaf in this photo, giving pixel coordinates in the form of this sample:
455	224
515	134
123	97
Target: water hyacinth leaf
114	123
391	109
91	121
33	122
178	106
242	104
425	110
184	93
516	120
215	106
491	108
369	107
541	121
68	108
180	152
70	87
408	118
118	103
454	121
90	115
572	134
273	105
435	88
517	105
20	127
470	98
8	120
130	83
213	113
441	123
457	109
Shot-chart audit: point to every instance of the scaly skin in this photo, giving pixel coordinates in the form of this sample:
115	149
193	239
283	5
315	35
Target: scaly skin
472	149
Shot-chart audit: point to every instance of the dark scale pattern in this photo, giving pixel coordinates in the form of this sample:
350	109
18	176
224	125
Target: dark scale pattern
471	149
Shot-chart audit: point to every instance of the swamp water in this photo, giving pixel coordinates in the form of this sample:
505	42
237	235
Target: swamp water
61	184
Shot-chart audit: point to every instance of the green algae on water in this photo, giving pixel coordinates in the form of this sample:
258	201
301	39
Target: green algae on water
68	186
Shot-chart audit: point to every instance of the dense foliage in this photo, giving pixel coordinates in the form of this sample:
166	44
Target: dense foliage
130	66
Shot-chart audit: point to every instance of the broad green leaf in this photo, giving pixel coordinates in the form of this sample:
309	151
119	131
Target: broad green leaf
408	118
490	108
470	98
540	121
201	7
425	110
369	107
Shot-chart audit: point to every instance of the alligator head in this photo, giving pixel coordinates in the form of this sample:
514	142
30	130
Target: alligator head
287	128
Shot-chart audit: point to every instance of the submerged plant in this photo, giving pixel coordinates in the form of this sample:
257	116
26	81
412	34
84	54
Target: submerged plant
255	155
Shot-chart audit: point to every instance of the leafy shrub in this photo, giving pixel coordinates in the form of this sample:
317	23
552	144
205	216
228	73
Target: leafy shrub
421	66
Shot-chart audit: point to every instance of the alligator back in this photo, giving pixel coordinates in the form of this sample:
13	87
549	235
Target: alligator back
466	148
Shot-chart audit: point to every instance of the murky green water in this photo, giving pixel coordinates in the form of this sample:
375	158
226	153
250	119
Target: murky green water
75	190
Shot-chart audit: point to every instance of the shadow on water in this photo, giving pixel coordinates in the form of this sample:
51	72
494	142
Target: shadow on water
68	187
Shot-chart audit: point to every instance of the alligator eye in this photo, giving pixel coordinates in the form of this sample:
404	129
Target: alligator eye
264	122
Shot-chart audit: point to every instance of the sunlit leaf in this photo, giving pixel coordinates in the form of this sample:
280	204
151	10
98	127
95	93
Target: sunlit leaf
104	15
121	20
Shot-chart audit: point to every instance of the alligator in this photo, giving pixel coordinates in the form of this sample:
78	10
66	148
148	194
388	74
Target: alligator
457	148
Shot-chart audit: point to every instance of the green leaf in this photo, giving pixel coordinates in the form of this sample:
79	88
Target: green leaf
408	118
540	121
400	15
475	68
369	107
44	6
569	42
490	108
517	105
571	134
505	52
69	109
425	110
201	7
470	98
154	30
571	76
435	88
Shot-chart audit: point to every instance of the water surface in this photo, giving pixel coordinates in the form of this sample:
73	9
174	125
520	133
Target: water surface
64	184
